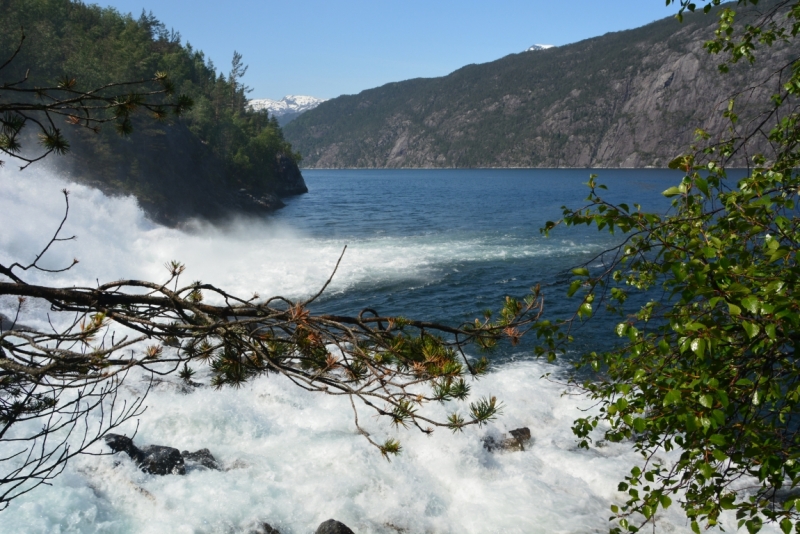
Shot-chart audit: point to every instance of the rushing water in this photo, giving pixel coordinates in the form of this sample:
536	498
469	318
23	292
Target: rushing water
440	245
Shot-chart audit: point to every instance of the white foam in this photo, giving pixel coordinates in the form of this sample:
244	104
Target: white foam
295	457
115	241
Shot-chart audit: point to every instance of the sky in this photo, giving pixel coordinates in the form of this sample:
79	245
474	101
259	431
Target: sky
326	48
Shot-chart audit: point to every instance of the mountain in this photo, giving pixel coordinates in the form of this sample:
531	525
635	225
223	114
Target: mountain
626	99
535	47
287	108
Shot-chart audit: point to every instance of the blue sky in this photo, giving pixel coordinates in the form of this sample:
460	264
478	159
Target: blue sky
326	48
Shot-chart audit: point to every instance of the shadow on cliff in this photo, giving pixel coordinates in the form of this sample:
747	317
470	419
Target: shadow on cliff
173	174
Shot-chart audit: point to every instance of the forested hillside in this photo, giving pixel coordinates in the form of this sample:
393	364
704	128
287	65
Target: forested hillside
217	157
626	99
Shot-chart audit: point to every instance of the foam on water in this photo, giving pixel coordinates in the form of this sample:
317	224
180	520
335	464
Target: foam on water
293	458
115	241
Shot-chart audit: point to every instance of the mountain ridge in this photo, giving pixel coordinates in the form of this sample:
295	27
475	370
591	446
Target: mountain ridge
625	99
287	108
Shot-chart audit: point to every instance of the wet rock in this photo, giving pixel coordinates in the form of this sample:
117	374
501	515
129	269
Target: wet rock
203	457
237	464
264	528
176	386
153	459
331	526
515	442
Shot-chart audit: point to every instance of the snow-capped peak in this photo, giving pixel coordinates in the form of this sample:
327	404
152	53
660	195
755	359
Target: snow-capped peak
287	104
539	47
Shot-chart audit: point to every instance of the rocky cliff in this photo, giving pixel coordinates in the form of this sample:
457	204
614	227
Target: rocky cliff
626	99
173	174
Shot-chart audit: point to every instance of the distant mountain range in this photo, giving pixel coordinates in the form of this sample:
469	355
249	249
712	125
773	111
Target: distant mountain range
288	107
625	99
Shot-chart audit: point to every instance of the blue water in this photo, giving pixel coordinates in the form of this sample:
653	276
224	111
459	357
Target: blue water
437	245
485	223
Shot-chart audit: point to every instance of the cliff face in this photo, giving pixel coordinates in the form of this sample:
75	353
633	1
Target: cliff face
626	99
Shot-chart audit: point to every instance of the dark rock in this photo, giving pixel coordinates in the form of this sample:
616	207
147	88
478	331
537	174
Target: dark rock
291	182
331	526
519	437
264	528
160	460
153	459
177	386
257	202
202	457
521	434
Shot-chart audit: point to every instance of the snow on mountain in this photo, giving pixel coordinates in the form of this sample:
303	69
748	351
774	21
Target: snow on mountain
294	104
539	47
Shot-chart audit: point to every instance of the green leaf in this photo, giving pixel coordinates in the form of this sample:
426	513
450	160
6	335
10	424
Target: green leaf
676	163
790	503
718	439
672	397
770	330
699	346
707	400
671	192
753	525
574	287
639	424
702	185
733	309
580	271
752	329
751	304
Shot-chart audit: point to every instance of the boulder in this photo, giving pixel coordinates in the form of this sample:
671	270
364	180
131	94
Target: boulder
153	459
203	457
290	179
516	442
264	528
331	526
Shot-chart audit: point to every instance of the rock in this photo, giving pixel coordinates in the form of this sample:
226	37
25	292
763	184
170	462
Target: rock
257	201
291	180
263	528
177	386
153	459
521	434
331	526
237	464
519	437
203	457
